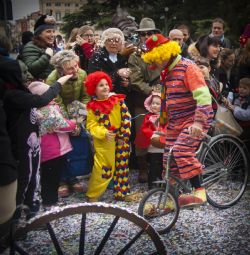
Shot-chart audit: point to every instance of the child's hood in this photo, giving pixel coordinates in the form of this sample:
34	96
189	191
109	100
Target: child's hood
148	100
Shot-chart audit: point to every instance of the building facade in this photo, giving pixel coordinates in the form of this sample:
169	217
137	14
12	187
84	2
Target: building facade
59	8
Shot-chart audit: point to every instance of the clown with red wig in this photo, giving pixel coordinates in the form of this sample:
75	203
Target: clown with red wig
109	122
186	108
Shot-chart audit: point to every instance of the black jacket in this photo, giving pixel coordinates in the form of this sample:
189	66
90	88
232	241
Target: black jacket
18	104
100	62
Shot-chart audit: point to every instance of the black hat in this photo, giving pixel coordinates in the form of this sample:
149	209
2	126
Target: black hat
44	22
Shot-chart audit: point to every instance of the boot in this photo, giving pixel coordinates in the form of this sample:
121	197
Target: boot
196	198
143	169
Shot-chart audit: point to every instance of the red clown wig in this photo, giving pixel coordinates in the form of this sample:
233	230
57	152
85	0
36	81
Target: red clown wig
93	79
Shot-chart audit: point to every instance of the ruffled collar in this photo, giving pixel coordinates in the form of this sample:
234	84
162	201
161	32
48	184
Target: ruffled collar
107	105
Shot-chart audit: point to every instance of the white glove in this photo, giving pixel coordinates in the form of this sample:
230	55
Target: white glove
49	51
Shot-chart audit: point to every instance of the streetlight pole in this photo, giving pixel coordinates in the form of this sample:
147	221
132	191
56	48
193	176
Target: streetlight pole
166	9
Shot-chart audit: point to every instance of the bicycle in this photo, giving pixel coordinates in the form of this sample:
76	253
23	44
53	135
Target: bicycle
225	161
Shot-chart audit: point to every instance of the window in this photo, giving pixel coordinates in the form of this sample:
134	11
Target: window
57	4
48	4
67	4
58	16
76	5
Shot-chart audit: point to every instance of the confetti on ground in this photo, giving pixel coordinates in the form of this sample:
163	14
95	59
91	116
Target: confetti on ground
204	230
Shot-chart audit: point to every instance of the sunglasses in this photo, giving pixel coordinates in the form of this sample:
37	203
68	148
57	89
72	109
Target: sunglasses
146	33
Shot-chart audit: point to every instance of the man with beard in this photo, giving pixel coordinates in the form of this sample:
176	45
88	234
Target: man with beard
67	62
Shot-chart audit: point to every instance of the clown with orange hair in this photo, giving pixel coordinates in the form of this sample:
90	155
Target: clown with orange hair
186	108
109	122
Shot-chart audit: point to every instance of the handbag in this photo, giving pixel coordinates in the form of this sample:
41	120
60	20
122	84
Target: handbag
225	122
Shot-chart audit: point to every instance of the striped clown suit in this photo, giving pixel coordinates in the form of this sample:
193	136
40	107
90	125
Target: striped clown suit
188	101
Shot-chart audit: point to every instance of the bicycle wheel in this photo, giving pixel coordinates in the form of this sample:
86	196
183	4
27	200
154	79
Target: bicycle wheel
161	217
114	230
225	174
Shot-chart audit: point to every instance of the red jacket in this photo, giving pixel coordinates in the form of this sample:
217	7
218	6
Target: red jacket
143	136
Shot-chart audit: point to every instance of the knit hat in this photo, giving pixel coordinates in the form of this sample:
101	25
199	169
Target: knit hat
93	79
148	100
147	24
82	30
111	33
38	88
43	23
160	49
245	36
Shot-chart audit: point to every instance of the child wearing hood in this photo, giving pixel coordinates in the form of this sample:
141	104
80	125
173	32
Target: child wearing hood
55	143
148	137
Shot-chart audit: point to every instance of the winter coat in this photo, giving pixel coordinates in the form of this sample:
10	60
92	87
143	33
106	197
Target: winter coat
56	144
8	167
194	54
85	51
71	91
36	60
142	79
242	109
100	62
18	106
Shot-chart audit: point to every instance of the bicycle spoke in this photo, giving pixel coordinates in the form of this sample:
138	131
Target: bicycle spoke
19	250
54	239
225	172
82	235
126	247
107	235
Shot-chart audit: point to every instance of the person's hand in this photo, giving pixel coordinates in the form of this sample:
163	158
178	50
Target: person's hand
120	142
124	73
49	52
76	131
80	41
195	129
230	106
110	136
224	101
62	80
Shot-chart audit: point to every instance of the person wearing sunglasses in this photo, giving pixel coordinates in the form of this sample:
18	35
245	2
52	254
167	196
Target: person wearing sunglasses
143	81
85	45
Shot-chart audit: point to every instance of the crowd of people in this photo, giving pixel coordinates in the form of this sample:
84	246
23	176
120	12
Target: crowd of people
113	99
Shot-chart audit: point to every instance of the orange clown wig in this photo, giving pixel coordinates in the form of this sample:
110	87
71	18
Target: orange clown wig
93	79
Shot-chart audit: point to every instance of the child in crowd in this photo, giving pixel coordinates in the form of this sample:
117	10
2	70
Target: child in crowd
55	143
213	84
109	122
239	104
146	138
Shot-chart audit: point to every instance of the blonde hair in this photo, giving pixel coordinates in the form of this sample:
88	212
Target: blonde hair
162	53
72	38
